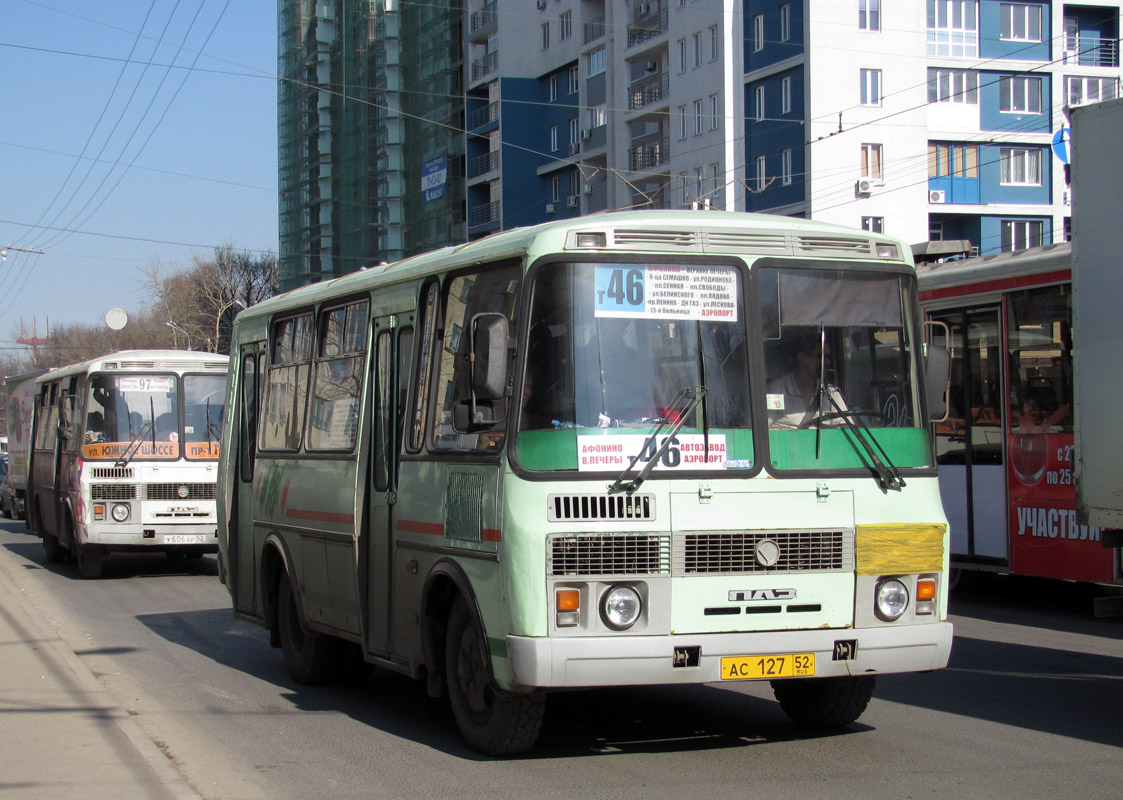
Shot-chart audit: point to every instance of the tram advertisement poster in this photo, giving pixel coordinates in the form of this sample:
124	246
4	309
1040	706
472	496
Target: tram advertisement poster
1046	538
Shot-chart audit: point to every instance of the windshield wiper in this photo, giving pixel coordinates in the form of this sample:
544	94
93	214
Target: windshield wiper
888	474
693	396
212	428
132	447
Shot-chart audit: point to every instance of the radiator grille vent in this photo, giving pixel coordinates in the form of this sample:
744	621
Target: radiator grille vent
597	507
791	551
172	491
112	472
112	491
609	554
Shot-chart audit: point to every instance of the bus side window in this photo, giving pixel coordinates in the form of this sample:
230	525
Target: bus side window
383	419
282	425
248	436
429	311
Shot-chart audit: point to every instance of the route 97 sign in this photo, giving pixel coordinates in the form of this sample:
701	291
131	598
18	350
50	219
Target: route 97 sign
666	292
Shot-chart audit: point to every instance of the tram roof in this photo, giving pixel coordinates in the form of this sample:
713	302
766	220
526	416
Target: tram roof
644	231
1001	266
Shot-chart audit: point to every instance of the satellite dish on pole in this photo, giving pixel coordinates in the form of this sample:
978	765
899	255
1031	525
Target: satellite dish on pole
116	318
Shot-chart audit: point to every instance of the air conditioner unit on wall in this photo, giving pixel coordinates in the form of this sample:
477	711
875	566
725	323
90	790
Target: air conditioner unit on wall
572	200
867	186
937	196
574	148
551	208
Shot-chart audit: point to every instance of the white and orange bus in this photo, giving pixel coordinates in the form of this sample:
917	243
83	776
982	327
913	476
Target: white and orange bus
124	452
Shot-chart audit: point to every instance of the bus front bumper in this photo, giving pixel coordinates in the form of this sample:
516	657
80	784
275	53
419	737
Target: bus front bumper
586	661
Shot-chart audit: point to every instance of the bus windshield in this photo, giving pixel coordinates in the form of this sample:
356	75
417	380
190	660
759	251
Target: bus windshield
601	361
839	369
203	398
132	409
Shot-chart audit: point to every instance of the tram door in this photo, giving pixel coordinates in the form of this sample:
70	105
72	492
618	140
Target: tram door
969	445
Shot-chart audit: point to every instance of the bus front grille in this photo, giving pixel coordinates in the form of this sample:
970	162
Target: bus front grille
598	507
112	491
609	554
741	552
179	491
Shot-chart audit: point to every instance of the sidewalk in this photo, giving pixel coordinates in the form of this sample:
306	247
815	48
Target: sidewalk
61	732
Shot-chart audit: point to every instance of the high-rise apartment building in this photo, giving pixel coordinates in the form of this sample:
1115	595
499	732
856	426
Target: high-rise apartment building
406	126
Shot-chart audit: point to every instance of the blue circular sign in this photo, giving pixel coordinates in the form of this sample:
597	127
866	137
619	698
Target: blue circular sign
1062	141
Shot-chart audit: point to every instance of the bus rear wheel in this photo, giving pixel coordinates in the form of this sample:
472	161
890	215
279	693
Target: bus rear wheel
491	722
824	702
310	658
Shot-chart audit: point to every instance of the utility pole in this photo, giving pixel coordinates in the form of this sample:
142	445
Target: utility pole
16	248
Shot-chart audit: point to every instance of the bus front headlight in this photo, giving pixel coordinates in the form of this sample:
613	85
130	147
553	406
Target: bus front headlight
891	599
620	607
120	512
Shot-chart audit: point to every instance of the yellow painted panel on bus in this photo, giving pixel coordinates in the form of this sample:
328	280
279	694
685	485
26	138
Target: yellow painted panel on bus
748	668
202	449
899	549
143	450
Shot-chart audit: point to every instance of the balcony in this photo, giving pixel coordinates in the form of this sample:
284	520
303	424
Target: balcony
646	156
482	116
648	91
483	19
594	30
484	215
483	67
647	27
1088	51
481	165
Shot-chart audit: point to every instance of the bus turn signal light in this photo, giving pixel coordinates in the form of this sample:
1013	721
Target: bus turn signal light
568	606
926	596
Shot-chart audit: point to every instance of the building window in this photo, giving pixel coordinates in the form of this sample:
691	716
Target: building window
1018	234
565	25
869	15
758	104
684	191
697	49
553	88
699	190
594	63
871	87
715	43
785	22
786	167
1019	22
574	130
786	94
953	28
1019	95
761	174
574	80
553	138
682	126
715	111
953	86
953	160
545	35
758	33
1082	90
598	116
873	224
871	161
699	118
682	55
1020	166
555	189
715	182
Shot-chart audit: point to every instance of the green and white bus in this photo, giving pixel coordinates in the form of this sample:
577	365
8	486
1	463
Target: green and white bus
586	454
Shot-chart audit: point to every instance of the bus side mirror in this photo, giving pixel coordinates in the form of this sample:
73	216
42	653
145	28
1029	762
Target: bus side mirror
937	374
489	356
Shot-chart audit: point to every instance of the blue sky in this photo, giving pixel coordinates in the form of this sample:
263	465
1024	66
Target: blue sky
184	91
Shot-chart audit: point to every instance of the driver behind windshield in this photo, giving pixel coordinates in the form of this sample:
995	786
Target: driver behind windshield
793	398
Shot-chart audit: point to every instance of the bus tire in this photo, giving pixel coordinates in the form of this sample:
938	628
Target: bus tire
493	723
824	702
54	551
89	561
310	658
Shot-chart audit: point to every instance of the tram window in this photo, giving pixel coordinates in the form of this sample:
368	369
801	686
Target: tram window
1039	325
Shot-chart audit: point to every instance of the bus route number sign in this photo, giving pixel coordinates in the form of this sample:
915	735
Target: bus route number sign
666	292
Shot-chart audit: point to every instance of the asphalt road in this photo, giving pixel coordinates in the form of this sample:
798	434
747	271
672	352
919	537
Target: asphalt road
1031	707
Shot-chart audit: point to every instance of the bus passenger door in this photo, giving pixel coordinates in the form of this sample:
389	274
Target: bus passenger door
393	349
241	553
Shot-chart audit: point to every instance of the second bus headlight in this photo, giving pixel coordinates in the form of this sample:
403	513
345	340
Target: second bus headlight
620	607
891	599
120	512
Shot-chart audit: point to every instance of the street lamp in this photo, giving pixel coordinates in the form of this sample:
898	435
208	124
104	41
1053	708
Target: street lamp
175	327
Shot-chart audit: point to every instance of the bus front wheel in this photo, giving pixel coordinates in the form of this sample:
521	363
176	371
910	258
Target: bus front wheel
491	722
54	551
824	702
310	658
89	560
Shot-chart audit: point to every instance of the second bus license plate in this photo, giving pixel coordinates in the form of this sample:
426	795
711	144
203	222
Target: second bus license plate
789	665
185	538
